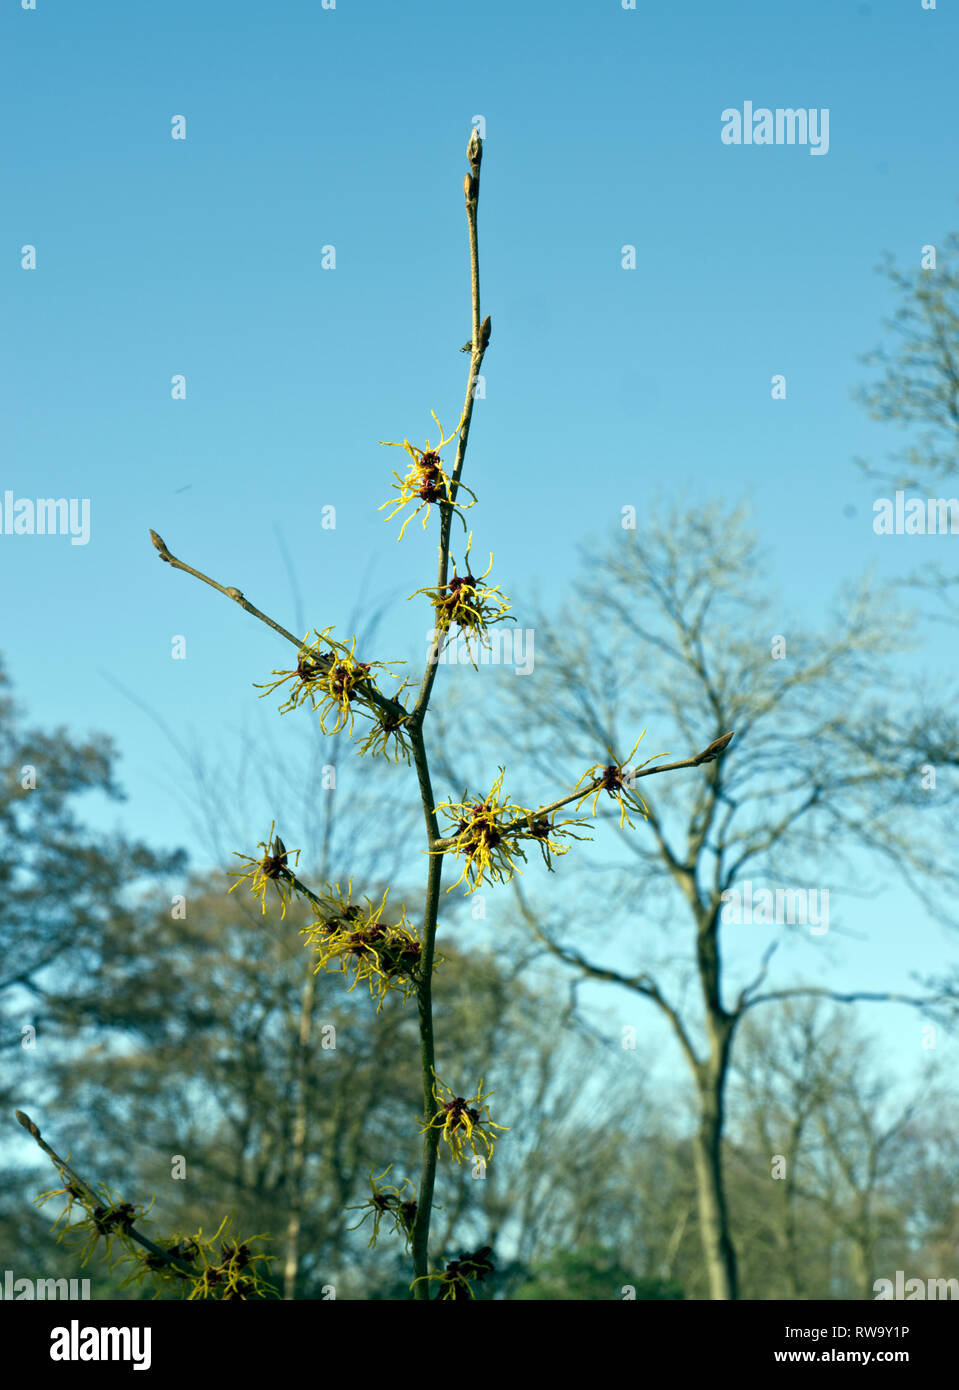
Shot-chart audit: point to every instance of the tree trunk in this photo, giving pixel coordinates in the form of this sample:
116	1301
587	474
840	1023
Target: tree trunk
711	1079
291	1263
718	1249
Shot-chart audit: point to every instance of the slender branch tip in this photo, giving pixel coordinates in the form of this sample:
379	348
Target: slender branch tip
27	1123
718	746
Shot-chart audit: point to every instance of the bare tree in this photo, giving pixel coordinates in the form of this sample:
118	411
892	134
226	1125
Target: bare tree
818	1117
673	630
917	390
918	383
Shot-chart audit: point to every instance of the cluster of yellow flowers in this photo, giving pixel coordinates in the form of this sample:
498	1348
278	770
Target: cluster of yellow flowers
614	779
463	1120
189	1266
354	940
457	1279
466	602
488	836
271	867
328	674
386	736
463	601
388	1199
425	482
348	938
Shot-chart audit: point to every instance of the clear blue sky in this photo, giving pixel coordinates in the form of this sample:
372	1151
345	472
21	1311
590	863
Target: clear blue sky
308	127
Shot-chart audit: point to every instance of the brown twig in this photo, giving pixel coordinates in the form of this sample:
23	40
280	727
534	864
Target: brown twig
479	343
85	1189
706	756
368	691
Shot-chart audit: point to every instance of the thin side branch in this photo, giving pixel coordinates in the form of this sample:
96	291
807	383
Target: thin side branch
369	692
820	992
706	756
76	1181
228	590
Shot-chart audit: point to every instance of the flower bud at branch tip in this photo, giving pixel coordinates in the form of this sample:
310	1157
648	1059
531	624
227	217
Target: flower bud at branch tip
714	749
474	150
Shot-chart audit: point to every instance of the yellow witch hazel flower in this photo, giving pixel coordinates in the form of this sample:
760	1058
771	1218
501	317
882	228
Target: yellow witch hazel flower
457	1278
201	1272
388	1200
541	829
312	664
462	1121
328	674
188	1266
353	939
271	867
466	602
425	481
107	1219
617	781
479	837
73	1194
232	1273
386	734
164	1274
336	690
488	836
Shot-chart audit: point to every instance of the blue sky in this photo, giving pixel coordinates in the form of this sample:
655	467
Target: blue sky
604	387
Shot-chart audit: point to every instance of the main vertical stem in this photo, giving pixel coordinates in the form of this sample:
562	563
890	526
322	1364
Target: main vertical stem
424	990
424	1001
